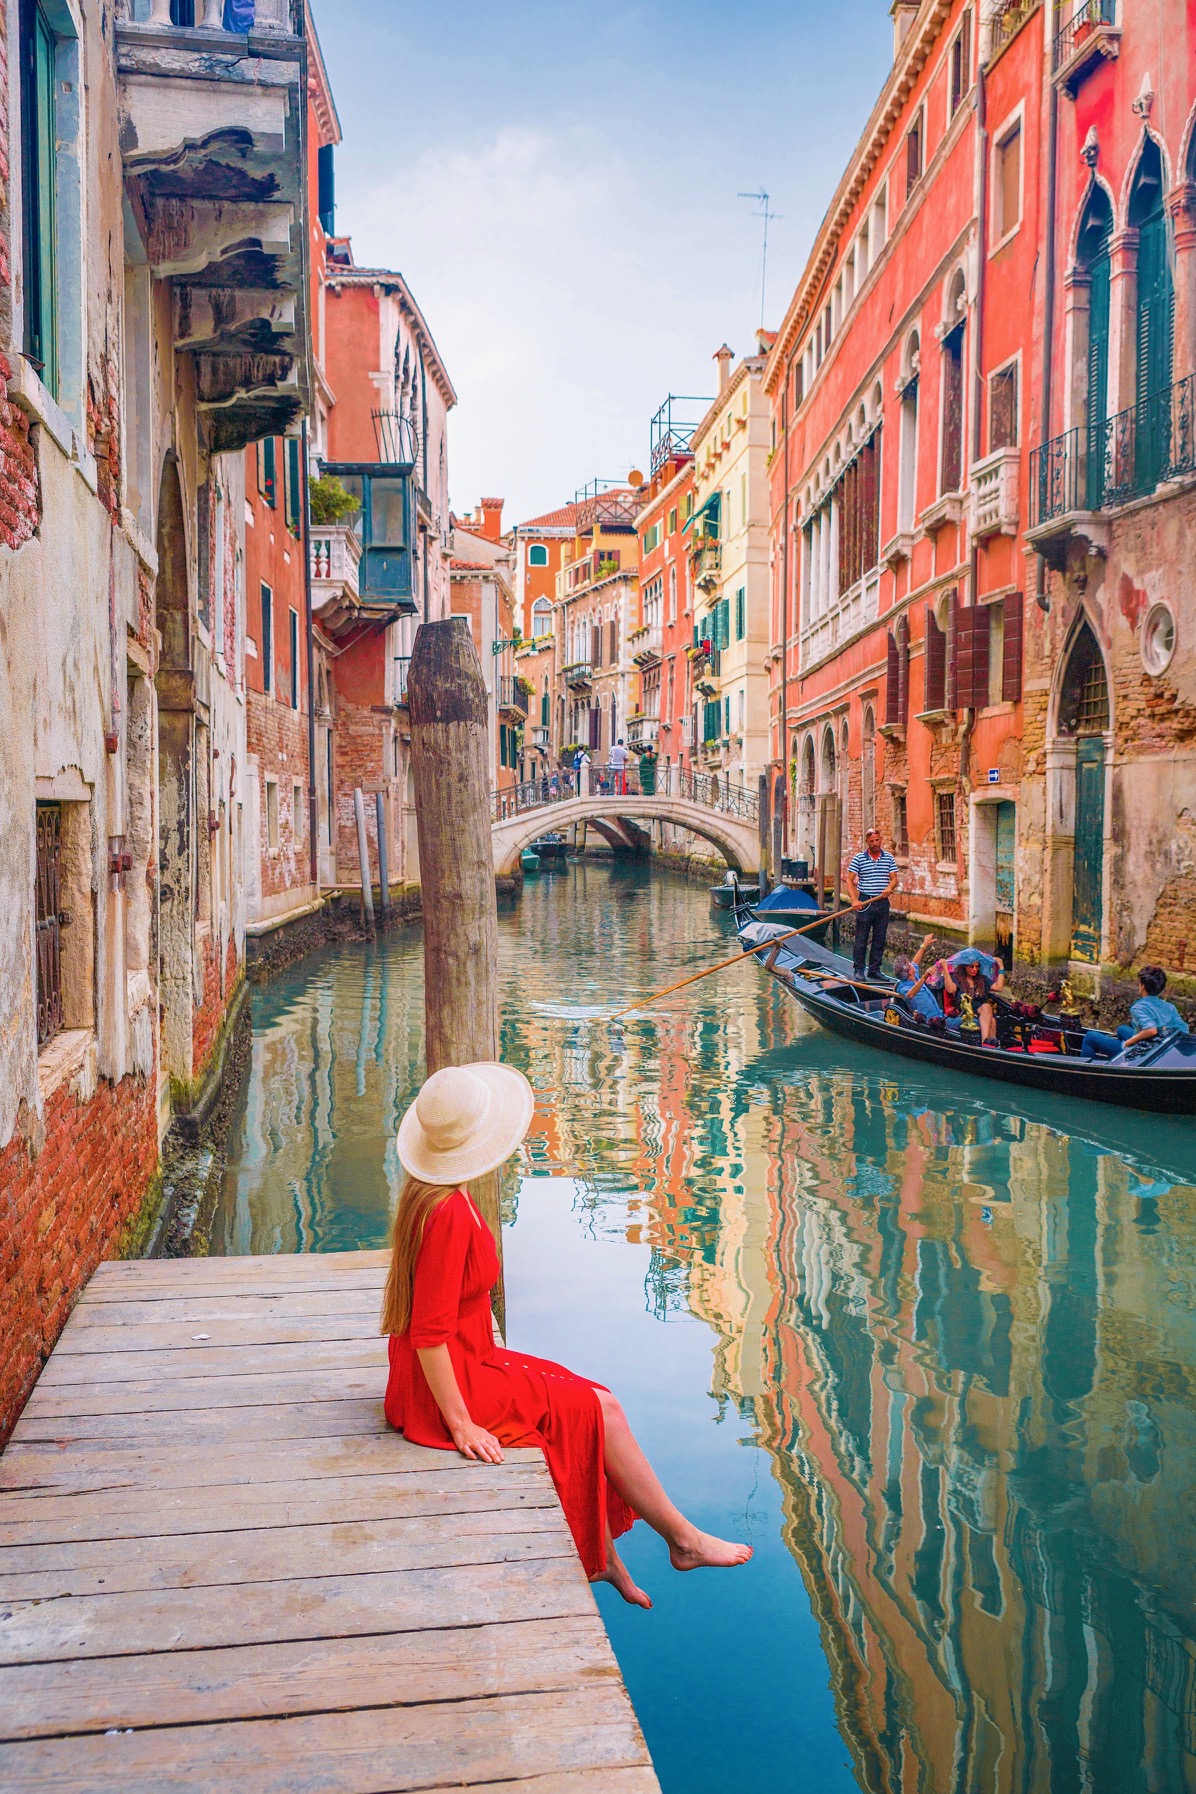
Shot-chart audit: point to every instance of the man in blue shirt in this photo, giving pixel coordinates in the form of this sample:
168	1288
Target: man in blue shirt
871	880
1151	1016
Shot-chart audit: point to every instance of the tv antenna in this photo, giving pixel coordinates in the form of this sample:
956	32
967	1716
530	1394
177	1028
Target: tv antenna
761	199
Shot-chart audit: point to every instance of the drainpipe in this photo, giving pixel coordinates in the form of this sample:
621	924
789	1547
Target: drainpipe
965	740
1048	327
313	824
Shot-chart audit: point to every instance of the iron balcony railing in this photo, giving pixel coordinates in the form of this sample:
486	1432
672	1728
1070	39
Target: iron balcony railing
1119	459
1083	21
1006	20
578	672
510	694
596	780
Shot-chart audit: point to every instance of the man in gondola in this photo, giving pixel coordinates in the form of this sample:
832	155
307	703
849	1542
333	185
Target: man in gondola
872	879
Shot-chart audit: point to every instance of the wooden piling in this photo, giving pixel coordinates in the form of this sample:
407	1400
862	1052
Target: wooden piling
363	859
383	856
450	765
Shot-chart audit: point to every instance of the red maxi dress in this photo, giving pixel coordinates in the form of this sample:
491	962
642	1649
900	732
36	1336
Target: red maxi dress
521	1400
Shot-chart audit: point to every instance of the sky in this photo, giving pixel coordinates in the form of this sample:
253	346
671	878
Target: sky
559	186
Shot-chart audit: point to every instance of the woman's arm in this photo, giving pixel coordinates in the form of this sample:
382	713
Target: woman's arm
471	1441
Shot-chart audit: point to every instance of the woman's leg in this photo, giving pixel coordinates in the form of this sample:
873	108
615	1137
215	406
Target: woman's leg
619	1576
641	1488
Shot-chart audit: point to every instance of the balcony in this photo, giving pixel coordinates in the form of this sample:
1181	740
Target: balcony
707	556
1089	38
994	494
578	675
211	136
382	522
645	645
510	696
854	611
1005	21
335	562
642	732
1127	457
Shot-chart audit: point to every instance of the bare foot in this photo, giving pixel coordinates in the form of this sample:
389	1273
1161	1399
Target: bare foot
618	1575
702	1551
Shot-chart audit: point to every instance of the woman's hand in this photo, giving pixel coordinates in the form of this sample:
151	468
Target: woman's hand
476	1443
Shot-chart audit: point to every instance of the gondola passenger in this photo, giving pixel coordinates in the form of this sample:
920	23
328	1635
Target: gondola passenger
967	975
1150	1016
907	973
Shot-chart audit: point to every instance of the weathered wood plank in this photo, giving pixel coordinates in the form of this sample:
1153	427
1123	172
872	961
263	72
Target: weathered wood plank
315	1676
146	1276
368	1752
267	1554
355	1418
318	1607
198	1359
265	1303
242	1331
109	1513
161	1395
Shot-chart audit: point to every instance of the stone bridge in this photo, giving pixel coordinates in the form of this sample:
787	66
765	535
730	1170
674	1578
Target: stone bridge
725	814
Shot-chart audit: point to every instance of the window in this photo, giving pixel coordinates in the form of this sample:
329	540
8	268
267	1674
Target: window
688	506
961	65
913	152
39	190
48	922
951	473
907	482
900	826
1002	408
672	528
878	229
651	538
944	824
996	652
859	515
537	555
798	382
541	618
294	659
272	815
267	475
740	614
326	189
613	639
1007	186
897	675
297	811
267	639
294	485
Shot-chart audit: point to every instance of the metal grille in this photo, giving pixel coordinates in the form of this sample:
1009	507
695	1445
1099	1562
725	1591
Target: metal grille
49	922
945	806
1092	714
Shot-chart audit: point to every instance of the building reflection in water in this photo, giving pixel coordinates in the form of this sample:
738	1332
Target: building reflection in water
963	1328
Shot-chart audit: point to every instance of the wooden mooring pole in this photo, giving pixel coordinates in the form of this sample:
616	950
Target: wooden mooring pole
383	856
363	856
450	765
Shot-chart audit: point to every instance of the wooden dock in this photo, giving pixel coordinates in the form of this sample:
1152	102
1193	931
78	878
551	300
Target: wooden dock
220	1568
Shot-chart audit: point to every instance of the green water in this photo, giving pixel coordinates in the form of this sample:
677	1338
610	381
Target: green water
930	1345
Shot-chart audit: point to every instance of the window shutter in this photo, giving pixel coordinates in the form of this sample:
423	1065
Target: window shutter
913	157
740	614
952	684
595	728
1011	667
1092	494
613	636
892	681
935	693
596	644
971	657
870	503
952	410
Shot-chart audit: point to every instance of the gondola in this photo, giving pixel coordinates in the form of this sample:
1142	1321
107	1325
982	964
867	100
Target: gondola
789	905
1158	1075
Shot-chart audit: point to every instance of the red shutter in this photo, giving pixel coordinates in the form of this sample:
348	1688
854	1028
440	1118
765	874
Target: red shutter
952	691
935	694
596	644
971	657
614	643
892	681
869	504
1011	668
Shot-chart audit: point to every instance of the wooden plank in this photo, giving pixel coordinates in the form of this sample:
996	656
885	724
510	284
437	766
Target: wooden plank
198	1359
368	1752
271	1554
317	1675
358	1418
110	1514
279	1270
194	1619
56	1468
250	1304
244	1330
162	1395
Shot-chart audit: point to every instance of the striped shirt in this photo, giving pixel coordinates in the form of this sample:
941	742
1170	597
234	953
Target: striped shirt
873	875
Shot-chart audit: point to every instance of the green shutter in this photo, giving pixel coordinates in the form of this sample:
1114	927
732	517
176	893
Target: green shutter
1156	310
39	156
740	614
1098	379
294	487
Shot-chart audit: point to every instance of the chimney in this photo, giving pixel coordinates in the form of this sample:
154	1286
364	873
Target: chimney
904	13
491	509
724	357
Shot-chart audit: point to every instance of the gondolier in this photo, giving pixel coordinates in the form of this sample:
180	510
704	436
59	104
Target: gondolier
872	878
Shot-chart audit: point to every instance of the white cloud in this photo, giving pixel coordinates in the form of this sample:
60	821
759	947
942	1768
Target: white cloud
565	302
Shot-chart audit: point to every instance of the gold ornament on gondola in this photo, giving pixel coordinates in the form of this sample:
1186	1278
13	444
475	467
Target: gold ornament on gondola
892	1016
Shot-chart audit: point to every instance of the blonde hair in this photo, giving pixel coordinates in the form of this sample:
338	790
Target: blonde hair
418	1201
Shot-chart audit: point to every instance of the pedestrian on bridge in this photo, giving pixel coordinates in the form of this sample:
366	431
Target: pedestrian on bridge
872	878
451	1385
616	763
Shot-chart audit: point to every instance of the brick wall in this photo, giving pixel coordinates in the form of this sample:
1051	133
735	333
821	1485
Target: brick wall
360	759
63	1208
277	735
211	1012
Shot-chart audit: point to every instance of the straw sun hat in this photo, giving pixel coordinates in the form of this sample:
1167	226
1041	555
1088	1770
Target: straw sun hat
465	1121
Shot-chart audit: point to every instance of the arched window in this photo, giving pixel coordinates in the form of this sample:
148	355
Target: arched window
537	555
1153	324
542	617
951	469
868	769
828	760
1092	256
805	802
1084	696
907	480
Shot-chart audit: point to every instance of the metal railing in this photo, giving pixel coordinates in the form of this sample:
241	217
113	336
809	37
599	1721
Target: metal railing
1006	20
1119	459
510	694
208	15
663	782
578	672
1083	20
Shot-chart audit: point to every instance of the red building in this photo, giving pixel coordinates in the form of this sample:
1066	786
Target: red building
660	646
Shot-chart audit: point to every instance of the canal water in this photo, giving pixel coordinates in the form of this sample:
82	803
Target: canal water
928	1344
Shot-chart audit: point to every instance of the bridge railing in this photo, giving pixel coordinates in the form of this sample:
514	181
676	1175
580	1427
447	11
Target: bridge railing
708	789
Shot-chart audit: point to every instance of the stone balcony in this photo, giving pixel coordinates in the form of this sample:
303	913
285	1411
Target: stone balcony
335	591
995	494
211	135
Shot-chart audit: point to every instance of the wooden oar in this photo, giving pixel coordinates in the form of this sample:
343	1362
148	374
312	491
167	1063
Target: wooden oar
762	947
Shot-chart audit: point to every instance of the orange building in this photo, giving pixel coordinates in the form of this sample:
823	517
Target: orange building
483	591
538	548
660	644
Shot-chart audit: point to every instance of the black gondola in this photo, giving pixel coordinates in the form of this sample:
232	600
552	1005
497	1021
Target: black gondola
1158	1074
789	905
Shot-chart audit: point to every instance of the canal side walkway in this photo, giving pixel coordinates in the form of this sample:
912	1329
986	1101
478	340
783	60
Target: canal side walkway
220	1568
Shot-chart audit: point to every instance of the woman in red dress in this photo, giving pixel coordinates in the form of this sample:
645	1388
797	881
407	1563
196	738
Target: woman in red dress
450	1385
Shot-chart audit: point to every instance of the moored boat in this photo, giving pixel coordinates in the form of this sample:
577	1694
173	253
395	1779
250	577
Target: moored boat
792	906
529	861
1037	1050
550	849
732	893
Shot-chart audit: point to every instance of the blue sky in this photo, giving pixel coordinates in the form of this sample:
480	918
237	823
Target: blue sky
559	186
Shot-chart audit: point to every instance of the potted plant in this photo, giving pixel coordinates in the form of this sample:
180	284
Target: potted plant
330	502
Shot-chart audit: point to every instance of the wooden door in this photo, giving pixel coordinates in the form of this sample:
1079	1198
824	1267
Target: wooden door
1089	849
1005	880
